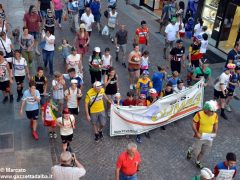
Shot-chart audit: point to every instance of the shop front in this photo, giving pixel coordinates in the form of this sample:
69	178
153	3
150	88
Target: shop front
154	5
222	17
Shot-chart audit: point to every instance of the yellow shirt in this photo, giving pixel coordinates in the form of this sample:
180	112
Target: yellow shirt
204	122
98	105
142	83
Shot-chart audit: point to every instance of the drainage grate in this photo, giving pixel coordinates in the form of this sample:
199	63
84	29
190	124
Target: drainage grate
6	142
136	6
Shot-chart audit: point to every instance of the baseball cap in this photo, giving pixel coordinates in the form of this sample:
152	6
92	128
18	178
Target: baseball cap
117	95
74	81
145	72
97	84
153	91
82	26
231	66
97	49
174	19
207	173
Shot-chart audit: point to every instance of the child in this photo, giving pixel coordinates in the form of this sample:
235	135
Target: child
16	39
144	62
118	101
66	124
204	44
144	84
49	117
65	48
106	61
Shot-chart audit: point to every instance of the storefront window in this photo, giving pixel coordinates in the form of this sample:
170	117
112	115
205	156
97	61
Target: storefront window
230	29
209	14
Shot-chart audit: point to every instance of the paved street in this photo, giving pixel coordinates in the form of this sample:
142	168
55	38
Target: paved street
163	156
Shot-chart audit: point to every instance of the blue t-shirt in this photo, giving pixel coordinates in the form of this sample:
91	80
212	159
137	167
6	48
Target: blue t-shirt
173	81
95	7
234	78
120	102
157	80
31	103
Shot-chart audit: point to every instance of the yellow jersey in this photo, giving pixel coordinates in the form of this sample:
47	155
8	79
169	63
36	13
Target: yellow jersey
98	105
204	122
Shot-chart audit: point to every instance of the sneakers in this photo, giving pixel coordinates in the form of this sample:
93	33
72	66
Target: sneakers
189	153
51	135
60	26
35	135
97	138
54	135
11	98
199	164
138	139
228	108
5	100
224	116
147	134
100	135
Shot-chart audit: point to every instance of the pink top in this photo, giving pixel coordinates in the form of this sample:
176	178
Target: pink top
57	4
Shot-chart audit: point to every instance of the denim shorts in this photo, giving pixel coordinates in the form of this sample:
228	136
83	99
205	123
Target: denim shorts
35	34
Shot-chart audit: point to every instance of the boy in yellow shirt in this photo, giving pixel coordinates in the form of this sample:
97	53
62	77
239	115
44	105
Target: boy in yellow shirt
144	84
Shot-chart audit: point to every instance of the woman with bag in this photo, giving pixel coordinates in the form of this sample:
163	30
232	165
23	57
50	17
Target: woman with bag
48	50
6	47
95	65
82	40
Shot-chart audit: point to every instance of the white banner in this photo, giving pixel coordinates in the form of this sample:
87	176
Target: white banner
130	120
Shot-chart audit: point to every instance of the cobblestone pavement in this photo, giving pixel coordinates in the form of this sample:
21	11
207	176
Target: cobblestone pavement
164	154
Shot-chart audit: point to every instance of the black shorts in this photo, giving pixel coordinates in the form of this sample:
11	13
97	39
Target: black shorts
19	79
4	85
176	66
219	94
73	111
195	63
132	70
66	139
230	92
32	114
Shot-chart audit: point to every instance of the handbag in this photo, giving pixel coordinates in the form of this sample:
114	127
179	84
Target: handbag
7	54
42	44
90	105
105	31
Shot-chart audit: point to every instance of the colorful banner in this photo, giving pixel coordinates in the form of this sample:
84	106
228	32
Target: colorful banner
130	120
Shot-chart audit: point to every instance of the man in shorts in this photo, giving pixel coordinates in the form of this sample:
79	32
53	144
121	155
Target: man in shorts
30	99
5	79
121	43
220	89
94	107
142	36
205	121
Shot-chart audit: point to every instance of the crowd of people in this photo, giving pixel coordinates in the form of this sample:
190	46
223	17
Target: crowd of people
60	107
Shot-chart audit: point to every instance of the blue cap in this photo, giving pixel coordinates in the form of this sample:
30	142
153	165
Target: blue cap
145	72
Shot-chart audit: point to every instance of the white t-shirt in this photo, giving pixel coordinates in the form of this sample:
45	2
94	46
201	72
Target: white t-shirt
197	29
106	60
144	62
19	66
7	45
112	19
72	102
204	45
67	173
176	90
68	125
171	31
48	115
4	76
49	47
88	20
58	93
73	61
223	79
